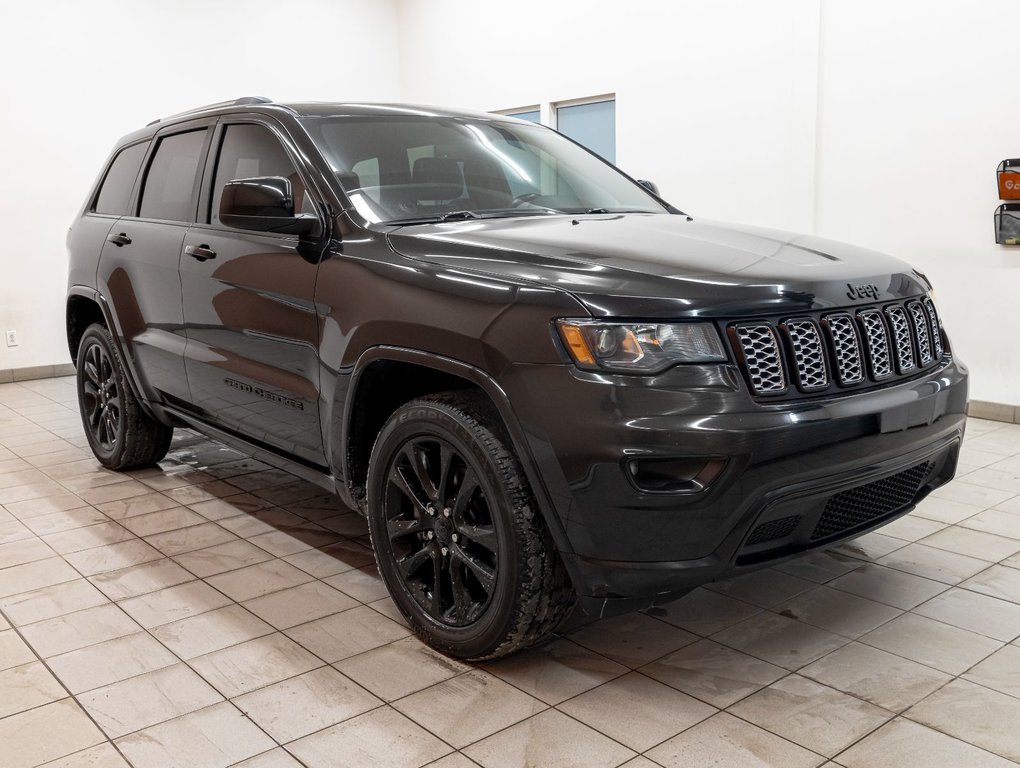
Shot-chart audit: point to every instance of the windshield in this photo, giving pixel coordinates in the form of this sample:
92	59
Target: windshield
404	169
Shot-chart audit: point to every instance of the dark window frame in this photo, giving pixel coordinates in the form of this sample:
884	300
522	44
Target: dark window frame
155	143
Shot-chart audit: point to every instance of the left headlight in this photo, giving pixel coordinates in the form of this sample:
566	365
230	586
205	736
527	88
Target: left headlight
639	347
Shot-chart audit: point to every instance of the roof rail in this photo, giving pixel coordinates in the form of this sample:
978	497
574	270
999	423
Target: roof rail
243	101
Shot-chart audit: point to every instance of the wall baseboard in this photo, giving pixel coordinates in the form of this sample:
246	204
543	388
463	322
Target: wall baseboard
981	409
9	375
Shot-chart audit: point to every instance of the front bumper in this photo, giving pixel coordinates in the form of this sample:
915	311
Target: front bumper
625	546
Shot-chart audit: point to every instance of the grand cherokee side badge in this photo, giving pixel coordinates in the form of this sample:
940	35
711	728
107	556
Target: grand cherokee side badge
862	291
289	402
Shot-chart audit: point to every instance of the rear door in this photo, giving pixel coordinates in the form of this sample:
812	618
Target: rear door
139	268
253	332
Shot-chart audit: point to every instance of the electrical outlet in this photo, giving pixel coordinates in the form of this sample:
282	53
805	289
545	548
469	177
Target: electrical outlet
12	338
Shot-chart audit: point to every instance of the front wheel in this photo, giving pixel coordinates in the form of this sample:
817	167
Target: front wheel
121	435
458	537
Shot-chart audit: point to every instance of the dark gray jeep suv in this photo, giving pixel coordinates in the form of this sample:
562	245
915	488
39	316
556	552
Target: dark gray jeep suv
538	380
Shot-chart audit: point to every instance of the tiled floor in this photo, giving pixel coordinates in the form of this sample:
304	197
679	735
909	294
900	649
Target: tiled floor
215	612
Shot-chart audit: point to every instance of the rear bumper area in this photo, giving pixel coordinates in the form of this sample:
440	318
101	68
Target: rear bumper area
798	476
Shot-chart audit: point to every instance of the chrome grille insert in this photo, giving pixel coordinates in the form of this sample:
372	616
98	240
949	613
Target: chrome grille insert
846	347
920	322
877	341
936	331
762	360
901	338
808	355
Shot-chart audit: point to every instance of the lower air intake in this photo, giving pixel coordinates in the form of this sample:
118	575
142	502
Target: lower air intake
772	530
865	503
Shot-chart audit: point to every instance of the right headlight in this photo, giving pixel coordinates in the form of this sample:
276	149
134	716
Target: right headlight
639	347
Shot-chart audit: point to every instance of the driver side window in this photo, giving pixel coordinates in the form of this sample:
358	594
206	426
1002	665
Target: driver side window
249	150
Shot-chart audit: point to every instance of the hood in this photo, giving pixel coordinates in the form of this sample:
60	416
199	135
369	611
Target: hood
662	265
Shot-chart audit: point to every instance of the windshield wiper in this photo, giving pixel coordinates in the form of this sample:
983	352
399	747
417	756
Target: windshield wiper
439	217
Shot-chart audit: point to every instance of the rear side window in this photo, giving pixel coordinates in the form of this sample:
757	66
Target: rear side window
116	190
171	185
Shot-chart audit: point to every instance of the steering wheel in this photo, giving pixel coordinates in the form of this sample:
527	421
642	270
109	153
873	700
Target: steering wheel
527	197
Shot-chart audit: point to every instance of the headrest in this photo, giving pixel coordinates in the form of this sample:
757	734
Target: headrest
437	178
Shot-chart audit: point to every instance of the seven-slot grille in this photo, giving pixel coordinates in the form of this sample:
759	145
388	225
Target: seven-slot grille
850	348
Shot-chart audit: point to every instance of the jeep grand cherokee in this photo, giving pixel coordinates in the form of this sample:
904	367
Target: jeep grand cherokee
538	380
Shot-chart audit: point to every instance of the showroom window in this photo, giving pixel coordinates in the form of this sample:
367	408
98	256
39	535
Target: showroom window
592	124
116	190
171	182
250	150
532	115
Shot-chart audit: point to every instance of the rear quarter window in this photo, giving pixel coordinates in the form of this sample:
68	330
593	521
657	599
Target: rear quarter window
115	192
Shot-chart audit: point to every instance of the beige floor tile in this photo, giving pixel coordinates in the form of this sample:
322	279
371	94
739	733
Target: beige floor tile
148	699
88	537
704	612
979	613
713	672
174	603
407	745
257	580
274	758
12	531
1000	522
388	608
58	522
45	603
332	559
162	521
400	668
889	586
189	539
998	581
454	760
302	705
764	588
345	634
110	662
723	741
931	563
911	528
469	707
90	562
291	541
945	510
637	711
870	546
140	579
100	756
815	716
932	643
192	494
362	584
298	605
838	611
222	558
136	505
111	492
989	477
969	493
36	575
779	640
975	714
819	567
965	541
1000	671
556	670
904	744
27	686
261	521
254	664
882	678
215	737
632	639
212	631
78	630
549	739
229	506
46	733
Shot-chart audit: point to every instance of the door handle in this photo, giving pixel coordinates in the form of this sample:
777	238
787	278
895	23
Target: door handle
200	252
119	240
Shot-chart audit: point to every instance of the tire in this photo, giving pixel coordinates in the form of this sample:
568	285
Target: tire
447	496
122	436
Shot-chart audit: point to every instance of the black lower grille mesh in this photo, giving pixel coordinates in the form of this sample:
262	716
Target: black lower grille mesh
772	530
859	506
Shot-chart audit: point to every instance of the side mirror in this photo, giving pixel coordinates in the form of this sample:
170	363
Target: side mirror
650	186
263	204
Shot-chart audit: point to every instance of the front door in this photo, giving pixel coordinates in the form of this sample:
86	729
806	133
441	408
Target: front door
253	333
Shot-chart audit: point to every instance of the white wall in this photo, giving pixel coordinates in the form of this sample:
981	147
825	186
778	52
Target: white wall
918	106
78	75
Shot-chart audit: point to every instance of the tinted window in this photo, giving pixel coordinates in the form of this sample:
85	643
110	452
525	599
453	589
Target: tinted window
252	150
171	183
116	189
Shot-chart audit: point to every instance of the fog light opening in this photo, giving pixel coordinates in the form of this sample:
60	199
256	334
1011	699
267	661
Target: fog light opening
690	475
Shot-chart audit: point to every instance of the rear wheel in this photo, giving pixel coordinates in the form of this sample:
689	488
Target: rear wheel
120	433
458	537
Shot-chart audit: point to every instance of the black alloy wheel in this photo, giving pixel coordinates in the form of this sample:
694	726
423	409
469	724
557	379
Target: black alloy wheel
101	406
441	530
